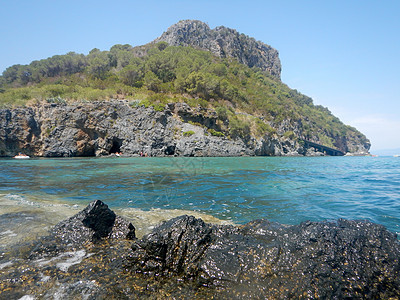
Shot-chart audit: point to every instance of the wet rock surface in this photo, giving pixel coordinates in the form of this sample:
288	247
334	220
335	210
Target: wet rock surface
263	259
98	222
80	258
93	224
94	256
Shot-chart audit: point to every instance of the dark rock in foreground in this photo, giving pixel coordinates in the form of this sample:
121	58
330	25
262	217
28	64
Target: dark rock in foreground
94	255
93	224
263	259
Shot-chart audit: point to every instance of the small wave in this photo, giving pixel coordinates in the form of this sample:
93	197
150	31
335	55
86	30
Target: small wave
21	200
72	258
27	297
7	232
6	264
145	220
36	202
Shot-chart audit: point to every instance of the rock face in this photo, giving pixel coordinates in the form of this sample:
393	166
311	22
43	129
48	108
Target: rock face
94	255
80	258
344	259
224	42
103	128
92	225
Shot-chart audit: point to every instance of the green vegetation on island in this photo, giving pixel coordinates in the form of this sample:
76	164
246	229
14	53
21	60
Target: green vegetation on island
246	100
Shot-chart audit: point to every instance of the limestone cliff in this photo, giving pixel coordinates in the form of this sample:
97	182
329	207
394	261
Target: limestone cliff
103	128
188	102
224	42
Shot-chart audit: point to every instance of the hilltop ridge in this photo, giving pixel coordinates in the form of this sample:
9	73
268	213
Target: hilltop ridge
224	42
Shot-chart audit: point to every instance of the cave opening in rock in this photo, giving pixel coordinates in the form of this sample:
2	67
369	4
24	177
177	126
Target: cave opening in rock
116	146
89	152
170	150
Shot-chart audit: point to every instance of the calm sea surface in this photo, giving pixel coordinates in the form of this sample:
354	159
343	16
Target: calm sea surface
37	193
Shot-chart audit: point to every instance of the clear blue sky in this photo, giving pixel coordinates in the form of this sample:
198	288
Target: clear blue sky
344	54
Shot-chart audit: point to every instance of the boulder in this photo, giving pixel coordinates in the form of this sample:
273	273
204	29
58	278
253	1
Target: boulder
262	259
94	224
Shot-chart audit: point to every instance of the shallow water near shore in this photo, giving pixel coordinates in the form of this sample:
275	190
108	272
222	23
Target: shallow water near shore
36	194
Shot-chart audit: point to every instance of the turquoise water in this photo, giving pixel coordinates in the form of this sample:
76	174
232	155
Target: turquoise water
283	189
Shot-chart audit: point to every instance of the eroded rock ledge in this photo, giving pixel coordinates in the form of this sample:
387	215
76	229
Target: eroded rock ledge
187	258
106	127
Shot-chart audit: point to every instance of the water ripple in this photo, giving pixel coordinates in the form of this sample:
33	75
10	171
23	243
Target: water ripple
286	190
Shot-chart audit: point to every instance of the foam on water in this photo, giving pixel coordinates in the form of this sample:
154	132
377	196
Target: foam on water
145	221
27	297
64	260
5	265
44	278
23	218
82	289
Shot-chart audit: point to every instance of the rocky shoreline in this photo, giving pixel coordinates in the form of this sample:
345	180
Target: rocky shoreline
96	255
108	127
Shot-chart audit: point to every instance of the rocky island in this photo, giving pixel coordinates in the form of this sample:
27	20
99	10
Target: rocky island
194	91
96	255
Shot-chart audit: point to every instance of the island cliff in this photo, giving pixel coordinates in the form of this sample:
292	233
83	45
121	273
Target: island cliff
194	91
103	128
